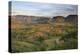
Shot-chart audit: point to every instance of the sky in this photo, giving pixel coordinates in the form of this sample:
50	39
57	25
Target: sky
42	9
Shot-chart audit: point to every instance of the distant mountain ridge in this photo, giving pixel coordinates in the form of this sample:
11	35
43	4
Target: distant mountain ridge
37	19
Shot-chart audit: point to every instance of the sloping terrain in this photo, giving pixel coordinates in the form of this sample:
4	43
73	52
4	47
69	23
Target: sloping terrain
43	36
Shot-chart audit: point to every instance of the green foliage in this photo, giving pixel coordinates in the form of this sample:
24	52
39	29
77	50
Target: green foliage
70	40
19	46
26	39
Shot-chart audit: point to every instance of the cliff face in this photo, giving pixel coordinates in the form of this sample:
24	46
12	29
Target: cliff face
30	19
72	19
58	19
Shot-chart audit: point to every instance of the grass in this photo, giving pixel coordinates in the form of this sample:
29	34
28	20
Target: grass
42	37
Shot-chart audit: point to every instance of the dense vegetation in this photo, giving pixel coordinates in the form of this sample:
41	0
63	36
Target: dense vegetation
43	36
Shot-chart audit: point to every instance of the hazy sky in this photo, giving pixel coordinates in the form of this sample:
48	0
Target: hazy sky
42	9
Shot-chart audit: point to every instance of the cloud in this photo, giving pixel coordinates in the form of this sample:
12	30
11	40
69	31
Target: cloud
43	9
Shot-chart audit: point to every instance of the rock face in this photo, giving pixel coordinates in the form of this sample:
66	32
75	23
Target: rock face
30	19
58	19
73	19
58	25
